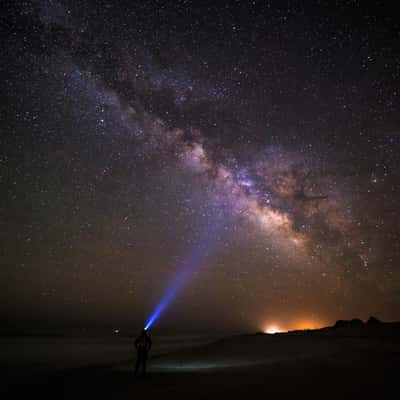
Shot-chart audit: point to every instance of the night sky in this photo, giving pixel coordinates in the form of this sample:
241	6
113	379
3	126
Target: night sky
253	144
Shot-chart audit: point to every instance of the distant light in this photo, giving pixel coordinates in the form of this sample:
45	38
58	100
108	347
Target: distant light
273	329
116	331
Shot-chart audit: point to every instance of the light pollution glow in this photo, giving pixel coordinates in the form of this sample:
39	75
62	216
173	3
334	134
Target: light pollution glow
271	329
301	324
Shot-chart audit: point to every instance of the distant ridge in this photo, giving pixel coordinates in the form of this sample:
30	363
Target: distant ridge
352	327
353	323
358	323
356	327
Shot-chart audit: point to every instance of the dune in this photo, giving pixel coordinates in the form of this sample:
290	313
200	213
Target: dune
341	362
344	344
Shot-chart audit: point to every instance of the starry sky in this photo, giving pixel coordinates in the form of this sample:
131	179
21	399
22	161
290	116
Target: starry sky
253	144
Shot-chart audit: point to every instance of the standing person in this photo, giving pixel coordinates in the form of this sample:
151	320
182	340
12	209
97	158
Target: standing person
143	345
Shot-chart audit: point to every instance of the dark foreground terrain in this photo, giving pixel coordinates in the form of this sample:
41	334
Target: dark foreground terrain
354	363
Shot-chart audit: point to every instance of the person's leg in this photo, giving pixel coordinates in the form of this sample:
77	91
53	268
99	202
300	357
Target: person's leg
138	362
144	360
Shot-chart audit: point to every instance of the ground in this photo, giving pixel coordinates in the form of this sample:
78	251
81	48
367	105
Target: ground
264	366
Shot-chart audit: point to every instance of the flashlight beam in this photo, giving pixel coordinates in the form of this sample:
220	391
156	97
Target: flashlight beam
191	263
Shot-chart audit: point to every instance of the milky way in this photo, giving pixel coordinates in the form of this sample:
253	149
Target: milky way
129	130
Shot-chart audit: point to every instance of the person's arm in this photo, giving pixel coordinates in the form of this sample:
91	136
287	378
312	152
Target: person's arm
150	342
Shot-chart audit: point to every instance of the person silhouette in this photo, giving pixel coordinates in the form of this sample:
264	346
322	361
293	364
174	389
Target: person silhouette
143	345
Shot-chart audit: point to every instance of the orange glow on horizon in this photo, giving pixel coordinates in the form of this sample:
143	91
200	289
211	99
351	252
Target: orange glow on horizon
271	329
301	324
305	324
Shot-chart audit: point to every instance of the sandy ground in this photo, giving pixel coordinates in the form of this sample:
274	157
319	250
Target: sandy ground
349	365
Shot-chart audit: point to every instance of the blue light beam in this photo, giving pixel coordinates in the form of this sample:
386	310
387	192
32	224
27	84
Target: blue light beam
191	263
